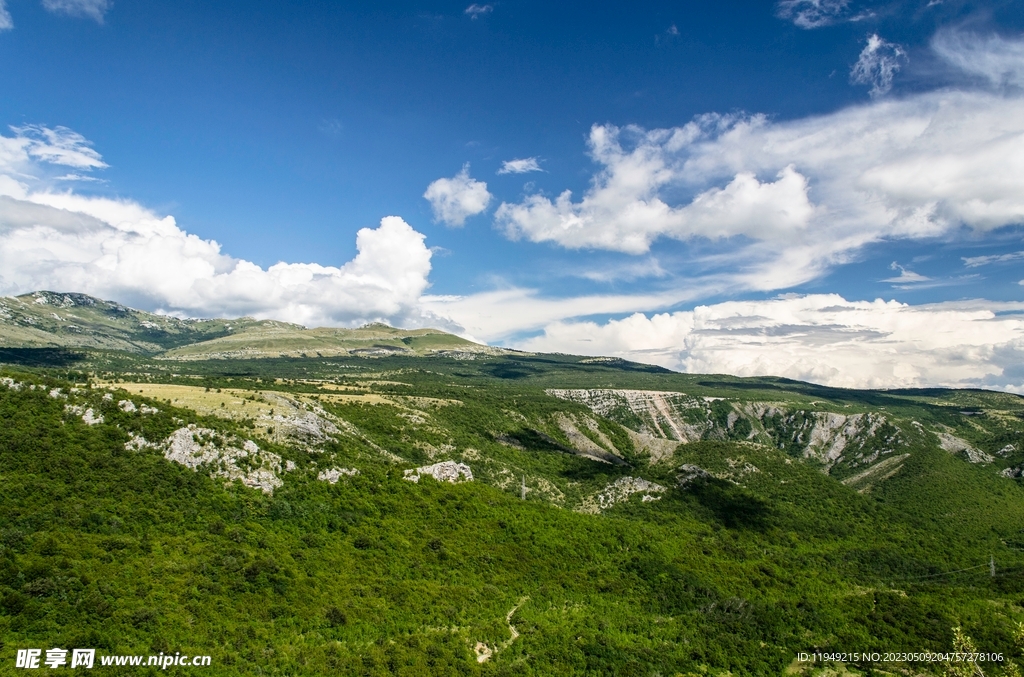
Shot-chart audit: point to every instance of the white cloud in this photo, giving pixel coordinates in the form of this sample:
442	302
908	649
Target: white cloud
120	250
623	210
905	276
812	13
877	65
521	166
819	338
975	261
629	271
6	22
79	177
456	199
994	58
495	315
788	200
476	10
58	146
92	9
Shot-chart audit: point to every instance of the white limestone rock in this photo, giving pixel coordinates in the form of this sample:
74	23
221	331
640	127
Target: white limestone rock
332	475
955	445
620	490
689	473
445	471
205	449
8	382
89	417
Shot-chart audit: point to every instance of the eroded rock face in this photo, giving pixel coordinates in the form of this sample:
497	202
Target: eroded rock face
445	471
826	437
689	473
206	449
584	446
956	445
620	490
297	423
668	415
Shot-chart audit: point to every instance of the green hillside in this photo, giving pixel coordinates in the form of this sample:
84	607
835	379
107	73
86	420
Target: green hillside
292	514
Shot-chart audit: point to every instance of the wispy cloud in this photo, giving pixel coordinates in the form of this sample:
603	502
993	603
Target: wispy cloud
521	166
649	268
975	261
79	177
878	64
59	146
996	59
905	276
92	9
456	199
6	22
475	11
331	127
812	13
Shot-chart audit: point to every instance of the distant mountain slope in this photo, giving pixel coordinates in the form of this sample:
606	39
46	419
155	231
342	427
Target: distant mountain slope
46	319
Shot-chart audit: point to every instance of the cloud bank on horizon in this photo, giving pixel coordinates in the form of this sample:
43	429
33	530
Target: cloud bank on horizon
784	201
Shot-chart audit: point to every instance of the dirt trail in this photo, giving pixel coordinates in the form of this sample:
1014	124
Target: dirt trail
484	652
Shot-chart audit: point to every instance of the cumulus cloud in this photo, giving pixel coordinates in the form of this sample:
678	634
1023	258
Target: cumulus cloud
819	338
812	13
92	9
996	59
475	10
522	166
121	250
794	198
877	65
456	199
6	22
623	210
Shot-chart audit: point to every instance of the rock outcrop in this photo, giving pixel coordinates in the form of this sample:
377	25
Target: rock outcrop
445	471
203	449
618	491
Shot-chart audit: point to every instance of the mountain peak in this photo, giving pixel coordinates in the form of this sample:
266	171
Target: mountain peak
60	299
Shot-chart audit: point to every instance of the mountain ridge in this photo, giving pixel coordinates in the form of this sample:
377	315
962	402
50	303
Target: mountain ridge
73	320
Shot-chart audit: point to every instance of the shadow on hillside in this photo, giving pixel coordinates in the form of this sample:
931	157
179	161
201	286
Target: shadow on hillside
510	370
734	506
40	357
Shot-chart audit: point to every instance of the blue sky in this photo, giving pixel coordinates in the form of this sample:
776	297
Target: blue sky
781	154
